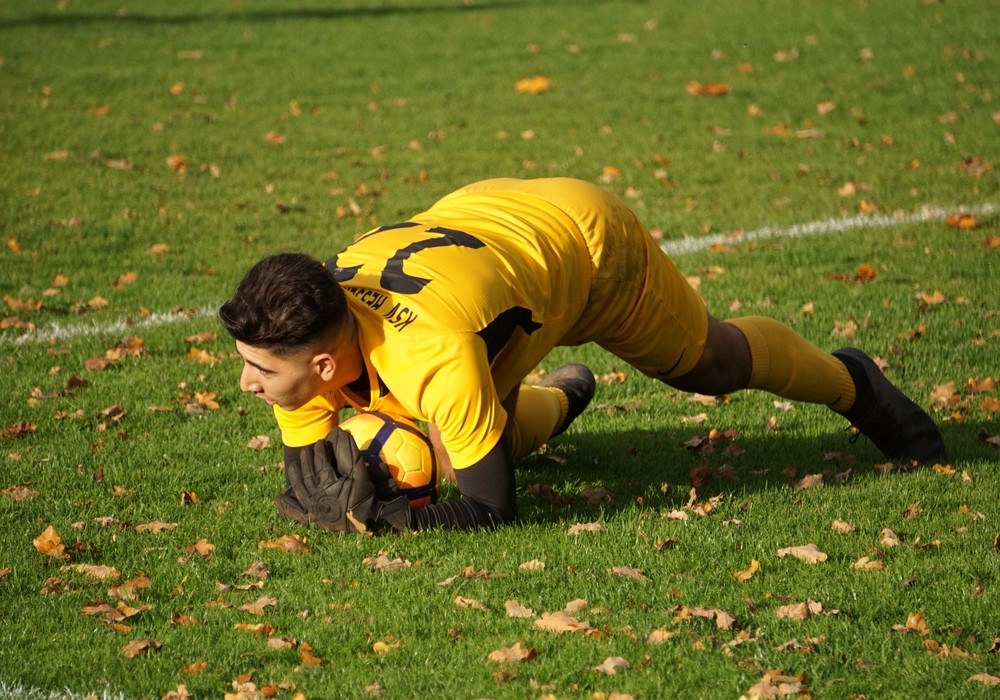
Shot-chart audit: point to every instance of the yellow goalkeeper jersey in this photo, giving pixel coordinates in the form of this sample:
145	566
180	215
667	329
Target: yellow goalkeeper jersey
458	304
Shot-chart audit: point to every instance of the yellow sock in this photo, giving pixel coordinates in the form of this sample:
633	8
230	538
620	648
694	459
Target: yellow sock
786	364
540	410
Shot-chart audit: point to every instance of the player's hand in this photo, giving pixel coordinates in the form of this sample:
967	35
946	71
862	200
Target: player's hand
330	480
288	505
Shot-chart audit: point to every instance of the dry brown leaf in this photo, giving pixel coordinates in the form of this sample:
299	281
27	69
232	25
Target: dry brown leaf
464	602
139	646
286	543
384	563
202	547
309	659
282	643
586	527
560	622
50	543
915	624
260	442
155	526
912	511
841	527
381	647
809	553
985	679
514	653
180	694
259	629
744	576
866	564
810	481
659	636
533	86
710	89
611	665
775	684
515	609
628	572
889	538
257	607
533	565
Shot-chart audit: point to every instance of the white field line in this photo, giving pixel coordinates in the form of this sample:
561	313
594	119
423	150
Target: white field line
59	331
821	228
19	692
685	246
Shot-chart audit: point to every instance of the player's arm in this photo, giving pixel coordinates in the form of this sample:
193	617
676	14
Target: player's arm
488	496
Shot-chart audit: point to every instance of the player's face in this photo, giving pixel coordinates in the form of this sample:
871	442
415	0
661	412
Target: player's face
288	381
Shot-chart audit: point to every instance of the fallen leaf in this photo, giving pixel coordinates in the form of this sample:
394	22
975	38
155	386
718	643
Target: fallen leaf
286	543
139	646
309	659
710	89
282	643
744	576
257	607
515	609
611	665
841	527
810	481
912	511
464	602
514	653
866	564
889	538
766	687
155	526
560	622
180	694
384	563
808	553
985	679
533	86
50	543
202	547
260	442
914	624
381	647
659	636
586	527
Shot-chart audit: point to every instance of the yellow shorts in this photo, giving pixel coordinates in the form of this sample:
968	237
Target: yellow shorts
641	308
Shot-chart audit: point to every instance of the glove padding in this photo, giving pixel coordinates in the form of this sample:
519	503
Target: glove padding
330	480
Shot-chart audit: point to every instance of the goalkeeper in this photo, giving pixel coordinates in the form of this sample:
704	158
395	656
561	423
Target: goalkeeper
439	318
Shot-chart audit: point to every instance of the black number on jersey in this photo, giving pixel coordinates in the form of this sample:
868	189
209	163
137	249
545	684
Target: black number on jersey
394	277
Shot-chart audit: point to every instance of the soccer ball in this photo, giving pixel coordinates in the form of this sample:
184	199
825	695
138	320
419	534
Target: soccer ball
403	447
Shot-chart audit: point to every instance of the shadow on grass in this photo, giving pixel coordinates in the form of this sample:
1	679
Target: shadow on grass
634	465
301	13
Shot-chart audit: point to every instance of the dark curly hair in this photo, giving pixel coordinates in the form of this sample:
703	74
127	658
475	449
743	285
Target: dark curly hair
284	303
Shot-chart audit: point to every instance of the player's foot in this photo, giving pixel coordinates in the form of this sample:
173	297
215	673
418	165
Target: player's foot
883	414
577	382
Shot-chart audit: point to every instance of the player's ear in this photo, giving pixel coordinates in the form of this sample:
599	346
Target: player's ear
325	365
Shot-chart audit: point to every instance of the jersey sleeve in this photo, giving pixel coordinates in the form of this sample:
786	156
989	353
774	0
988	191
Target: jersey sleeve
307	424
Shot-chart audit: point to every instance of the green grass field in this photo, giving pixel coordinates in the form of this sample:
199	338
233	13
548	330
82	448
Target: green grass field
151	152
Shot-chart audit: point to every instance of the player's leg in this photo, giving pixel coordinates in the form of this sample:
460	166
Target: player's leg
546	409
848	381
661	327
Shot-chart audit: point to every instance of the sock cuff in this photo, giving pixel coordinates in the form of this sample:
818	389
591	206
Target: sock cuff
760	357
